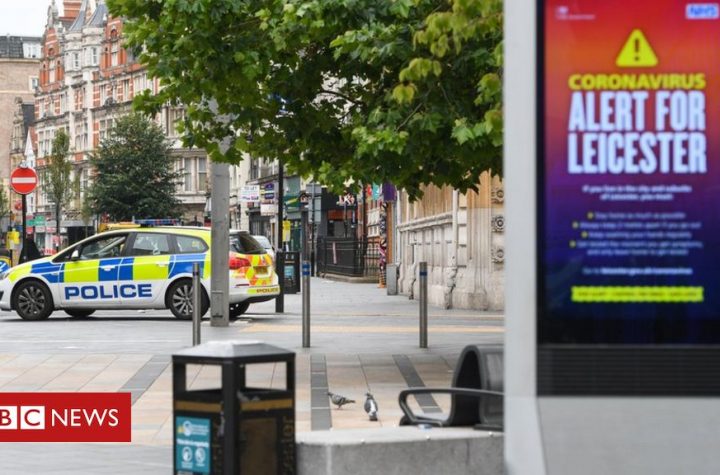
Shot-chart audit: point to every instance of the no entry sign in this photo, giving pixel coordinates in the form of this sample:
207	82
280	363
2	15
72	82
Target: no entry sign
23	180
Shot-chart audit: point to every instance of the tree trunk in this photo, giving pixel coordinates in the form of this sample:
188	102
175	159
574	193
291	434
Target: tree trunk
57	225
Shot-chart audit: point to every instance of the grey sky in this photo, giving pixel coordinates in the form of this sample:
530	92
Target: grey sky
24	17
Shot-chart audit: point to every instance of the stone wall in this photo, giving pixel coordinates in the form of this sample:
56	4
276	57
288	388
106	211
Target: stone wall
461	237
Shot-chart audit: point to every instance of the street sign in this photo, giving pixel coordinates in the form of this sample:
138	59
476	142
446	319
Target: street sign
268	192
268	209
23	180
250	193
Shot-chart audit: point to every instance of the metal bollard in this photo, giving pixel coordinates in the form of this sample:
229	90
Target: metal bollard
196	304
423	305
306	304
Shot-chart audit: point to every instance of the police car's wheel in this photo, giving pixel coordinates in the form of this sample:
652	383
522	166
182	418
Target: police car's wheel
77	313
32	301
238	309
179	300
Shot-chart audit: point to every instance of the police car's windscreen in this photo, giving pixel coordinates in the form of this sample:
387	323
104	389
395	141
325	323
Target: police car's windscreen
244	243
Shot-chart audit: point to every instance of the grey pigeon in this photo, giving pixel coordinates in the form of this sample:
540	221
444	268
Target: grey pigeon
339	400
371	407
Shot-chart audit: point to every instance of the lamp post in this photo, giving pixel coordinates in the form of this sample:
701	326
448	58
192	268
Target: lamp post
220	234
279	253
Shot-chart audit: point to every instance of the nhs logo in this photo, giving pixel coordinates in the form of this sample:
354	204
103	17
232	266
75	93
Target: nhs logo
702	11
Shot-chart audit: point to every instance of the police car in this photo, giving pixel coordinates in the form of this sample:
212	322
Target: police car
145	268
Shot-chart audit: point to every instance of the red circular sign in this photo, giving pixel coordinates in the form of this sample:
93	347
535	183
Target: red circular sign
23	180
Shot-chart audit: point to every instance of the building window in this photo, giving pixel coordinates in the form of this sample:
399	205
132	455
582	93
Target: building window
254	169
202	173
63	103
17	132
45	139
76	60
34	83
114	48
31	50
194	172
188	175
41	144
126	89
51	76
105	126
81	136
84	181
103	94
175	116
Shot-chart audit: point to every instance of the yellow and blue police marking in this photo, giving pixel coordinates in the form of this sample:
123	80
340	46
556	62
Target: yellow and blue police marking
133	277
91	275
4	264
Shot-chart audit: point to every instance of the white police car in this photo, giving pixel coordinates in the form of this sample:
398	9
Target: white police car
145	268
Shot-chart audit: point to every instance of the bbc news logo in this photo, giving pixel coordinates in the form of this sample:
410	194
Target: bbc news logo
65	417
26	417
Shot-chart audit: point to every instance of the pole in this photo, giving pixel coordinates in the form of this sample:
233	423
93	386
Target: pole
220	232
306	304
312	229
196	304
305	284
423	306
220	237
279	253
23	250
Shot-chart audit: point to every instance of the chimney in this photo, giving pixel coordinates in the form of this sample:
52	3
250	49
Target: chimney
71	8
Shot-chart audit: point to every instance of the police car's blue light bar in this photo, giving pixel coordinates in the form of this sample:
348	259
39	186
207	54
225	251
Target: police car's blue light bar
157	222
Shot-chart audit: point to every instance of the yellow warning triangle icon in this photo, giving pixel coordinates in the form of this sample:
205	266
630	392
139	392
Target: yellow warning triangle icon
637	52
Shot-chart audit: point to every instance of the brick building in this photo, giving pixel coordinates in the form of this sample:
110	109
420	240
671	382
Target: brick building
18	78
87	81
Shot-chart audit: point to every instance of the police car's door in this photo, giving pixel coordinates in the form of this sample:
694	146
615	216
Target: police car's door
149	256
90	273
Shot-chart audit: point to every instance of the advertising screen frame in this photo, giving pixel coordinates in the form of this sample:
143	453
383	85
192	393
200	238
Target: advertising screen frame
574	360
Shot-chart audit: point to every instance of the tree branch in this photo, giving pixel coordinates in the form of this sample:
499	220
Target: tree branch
339	94
407	119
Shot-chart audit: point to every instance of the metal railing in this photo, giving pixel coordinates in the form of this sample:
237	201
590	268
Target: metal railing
347	256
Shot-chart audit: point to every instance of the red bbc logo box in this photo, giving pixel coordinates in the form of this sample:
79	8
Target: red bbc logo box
65	417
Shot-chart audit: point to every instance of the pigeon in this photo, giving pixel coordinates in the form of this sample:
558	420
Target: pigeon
371	407
339	400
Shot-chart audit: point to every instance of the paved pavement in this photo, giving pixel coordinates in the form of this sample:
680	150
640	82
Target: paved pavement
362	340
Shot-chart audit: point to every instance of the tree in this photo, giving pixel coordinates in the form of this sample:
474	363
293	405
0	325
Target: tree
406	91
57	176
135	176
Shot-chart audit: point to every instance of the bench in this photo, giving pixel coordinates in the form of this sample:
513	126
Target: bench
476	392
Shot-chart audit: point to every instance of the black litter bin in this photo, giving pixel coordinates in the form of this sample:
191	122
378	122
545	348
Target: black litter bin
234	429
291	272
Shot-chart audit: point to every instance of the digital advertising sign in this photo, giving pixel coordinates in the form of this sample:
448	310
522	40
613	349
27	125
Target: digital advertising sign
629	172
